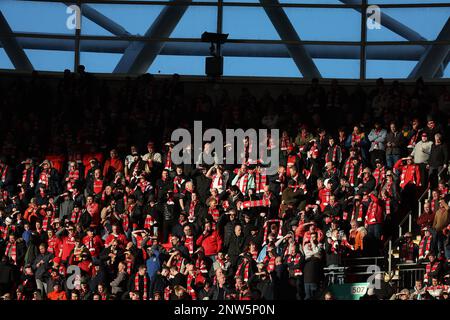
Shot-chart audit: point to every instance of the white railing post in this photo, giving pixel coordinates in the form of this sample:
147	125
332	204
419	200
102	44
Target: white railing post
410	222
390	257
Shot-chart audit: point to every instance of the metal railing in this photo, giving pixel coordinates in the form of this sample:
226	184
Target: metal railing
427	192
409	273
408	218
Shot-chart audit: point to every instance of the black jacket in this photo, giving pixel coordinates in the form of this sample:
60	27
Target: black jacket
438	156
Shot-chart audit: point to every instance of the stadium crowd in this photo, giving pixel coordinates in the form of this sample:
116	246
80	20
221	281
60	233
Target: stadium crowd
87	180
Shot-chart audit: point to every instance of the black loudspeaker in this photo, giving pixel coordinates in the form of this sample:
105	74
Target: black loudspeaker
214	66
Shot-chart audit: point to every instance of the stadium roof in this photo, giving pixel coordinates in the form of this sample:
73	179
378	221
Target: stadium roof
269	38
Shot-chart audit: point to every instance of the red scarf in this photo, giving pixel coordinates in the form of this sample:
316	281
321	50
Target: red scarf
168	164
214	213
408	251
200	265
333	157
189	243
167	292
129	266
75	216
266	226
43	178
270	263
379	175
412	141
190	290
149	221
295	260
430	268
219	181
136	285
260	181
350	172
24	176
192	206
242	182
424	246
11	249
356	138
285	143
74	175
4	172
256	203
177	182
244	268
360	212
125	221
48	221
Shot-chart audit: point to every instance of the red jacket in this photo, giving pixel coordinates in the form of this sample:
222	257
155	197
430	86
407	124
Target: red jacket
117	164
94	211
67	246
324	197
374	213
54	245
409	173
94	246
121	240
212	243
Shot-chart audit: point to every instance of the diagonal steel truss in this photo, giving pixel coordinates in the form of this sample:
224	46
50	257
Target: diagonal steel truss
138	55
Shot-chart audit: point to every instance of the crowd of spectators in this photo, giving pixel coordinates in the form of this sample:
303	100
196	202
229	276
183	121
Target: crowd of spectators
87	180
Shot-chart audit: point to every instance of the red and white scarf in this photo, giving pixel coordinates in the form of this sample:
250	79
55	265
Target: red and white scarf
192	206
4	172
243	270
333	150
295	260
11	250
75	217
129	266
137	287
125	221
201	265
149	222
379	175
47	221
242	183
260	181
214	212
424	246
271	221
189	243
168	163
44	178
256	203
191	278
217	183
24	176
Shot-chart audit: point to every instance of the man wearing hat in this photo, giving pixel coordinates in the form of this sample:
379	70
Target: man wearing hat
421	154
409	250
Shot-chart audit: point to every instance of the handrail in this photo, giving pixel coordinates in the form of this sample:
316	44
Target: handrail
400	228
427	190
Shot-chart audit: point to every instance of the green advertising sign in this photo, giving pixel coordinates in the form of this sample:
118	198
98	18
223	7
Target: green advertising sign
349	291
